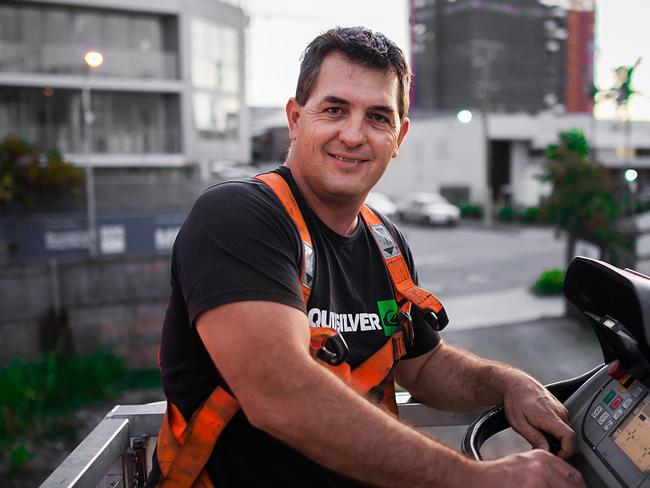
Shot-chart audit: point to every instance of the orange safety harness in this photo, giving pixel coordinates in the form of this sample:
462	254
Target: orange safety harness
184	447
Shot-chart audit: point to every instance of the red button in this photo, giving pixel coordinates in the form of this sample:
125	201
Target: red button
615	403
616	370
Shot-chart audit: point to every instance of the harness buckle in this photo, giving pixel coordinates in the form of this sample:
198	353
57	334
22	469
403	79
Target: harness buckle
437	321
399	348
406	326
332	350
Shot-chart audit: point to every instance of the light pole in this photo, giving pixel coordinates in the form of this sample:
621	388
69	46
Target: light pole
92	60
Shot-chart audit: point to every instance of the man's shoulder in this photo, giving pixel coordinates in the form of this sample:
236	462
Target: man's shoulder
236	196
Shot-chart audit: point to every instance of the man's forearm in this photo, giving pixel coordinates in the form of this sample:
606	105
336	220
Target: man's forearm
468	382
339	429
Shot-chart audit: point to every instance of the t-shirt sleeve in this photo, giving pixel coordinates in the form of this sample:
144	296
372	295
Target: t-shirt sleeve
237	244
425	337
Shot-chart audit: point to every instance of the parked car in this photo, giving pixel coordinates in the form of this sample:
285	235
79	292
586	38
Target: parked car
383	204
231	170
428	208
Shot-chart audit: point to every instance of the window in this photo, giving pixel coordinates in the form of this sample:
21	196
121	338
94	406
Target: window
215	77
218	114
215	56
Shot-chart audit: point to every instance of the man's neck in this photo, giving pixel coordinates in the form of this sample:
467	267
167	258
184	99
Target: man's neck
340	216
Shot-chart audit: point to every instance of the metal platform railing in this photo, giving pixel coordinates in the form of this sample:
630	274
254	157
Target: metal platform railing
118	452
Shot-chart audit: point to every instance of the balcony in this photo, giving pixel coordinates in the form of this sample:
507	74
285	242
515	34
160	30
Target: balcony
105	140
68	60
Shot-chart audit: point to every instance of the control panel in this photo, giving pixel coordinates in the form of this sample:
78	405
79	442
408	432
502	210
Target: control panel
617	428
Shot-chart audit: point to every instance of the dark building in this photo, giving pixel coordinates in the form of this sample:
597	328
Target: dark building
511	55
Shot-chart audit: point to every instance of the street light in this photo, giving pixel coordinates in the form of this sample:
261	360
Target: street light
92	60
464	116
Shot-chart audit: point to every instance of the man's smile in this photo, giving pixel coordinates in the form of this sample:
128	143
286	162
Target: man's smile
347	159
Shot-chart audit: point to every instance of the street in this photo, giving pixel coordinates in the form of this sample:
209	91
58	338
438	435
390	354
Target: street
470	259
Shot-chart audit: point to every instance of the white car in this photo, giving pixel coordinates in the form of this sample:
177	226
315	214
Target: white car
382	203
428	208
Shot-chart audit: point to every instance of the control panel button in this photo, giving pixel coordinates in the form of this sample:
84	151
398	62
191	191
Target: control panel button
616	370
627	403
609	397
617	414
616	403
597	411
603	417
637	391
608	425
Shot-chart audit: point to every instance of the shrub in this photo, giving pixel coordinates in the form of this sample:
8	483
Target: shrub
506	213
36	398
530	215
471	211
29	174
551	282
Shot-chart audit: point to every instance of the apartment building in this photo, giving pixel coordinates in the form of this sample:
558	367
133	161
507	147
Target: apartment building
169	92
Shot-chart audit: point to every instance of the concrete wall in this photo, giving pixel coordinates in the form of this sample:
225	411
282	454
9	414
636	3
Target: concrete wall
112	304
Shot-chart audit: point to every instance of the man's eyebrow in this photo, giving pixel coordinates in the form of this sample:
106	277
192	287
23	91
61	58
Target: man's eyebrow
342	101
333	99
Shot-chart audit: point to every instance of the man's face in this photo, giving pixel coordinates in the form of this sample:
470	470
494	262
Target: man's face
345	134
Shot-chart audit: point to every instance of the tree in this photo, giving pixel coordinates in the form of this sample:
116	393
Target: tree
30	175
582	195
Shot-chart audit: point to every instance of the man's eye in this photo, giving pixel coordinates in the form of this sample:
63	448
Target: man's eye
334	111
382	119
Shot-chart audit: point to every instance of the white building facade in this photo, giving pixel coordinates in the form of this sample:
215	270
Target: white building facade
443	155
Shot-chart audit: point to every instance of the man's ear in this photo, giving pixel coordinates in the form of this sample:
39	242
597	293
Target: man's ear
404	128
293	109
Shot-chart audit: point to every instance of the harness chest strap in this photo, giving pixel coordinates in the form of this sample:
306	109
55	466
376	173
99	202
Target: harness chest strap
406	289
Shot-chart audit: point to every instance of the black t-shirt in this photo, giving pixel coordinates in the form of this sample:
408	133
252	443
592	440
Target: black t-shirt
237	244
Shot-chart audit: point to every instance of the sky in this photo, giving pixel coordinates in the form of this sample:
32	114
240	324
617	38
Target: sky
279	30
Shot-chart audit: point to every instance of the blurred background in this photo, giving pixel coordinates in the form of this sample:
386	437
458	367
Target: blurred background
529	144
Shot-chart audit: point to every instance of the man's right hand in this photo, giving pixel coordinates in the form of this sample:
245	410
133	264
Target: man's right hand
532	469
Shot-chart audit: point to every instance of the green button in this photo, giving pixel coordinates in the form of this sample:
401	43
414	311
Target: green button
610	396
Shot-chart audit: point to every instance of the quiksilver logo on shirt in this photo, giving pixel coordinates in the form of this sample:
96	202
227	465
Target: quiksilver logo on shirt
344	322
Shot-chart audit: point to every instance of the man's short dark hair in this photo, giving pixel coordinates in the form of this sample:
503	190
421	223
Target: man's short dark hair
362	46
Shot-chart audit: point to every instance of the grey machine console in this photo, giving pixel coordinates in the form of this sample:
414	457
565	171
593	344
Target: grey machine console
611	411
609	407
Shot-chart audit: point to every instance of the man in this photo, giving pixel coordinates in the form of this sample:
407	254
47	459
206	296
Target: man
237	319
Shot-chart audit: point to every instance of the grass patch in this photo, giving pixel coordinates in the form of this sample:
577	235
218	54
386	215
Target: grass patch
37	398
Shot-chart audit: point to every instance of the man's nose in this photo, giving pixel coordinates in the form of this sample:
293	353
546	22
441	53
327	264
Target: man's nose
353	131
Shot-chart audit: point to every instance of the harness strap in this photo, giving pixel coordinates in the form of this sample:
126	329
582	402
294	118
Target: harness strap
184	448
281	189
424	300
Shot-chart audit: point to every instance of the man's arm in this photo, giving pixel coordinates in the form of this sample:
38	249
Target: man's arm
472	383
262	351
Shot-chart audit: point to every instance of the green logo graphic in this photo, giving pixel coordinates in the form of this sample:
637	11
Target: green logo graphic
389	316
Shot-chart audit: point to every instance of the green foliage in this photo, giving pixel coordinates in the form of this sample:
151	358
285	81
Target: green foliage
29	175
551	282
506	213
471	211
581	199
36	398
530	215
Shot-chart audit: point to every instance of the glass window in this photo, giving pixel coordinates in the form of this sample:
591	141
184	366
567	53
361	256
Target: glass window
8	24
215	56
146	34
218	114
117	31
87	30
31	28
58	26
